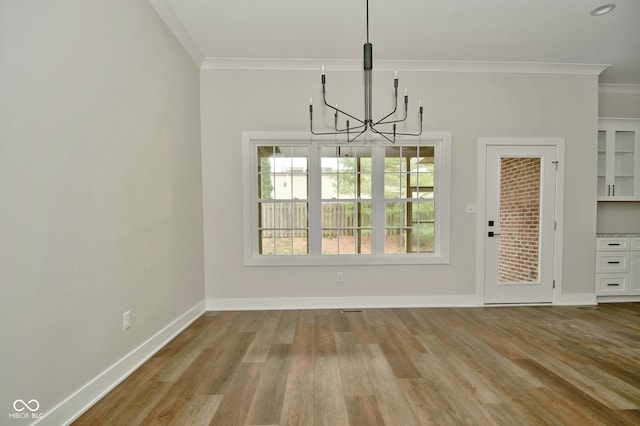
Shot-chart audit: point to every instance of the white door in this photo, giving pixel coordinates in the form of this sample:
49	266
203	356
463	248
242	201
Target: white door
520	220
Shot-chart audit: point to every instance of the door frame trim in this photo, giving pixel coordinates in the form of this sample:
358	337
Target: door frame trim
483	143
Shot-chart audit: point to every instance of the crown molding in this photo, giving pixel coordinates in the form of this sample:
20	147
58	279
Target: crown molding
389	65
620	88
175	25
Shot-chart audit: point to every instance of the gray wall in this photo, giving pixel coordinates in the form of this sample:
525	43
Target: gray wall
100	190
470	105
619	216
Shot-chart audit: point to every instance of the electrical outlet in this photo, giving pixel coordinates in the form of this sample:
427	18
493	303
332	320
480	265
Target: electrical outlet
340	277
126	320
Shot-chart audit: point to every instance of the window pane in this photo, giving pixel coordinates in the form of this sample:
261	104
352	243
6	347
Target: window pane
299	187
346	172
346	228
265	185
421	238
395	241
346	185
282	172
421	178
422	212
395	214
284	242
282	186
346	241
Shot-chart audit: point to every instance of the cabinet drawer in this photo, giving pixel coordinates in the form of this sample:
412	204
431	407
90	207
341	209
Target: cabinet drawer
612	244
635	243
612	284
612	262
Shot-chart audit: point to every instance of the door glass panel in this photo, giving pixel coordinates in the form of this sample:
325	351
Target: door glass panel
624	167
519	226
602	162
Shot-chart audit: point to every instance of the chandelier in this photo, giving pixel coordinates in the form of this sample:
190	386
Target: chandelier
386	126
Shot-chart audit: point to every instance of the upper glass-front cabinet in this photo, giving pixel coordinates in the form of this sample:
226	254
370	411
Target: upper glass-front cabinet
619	160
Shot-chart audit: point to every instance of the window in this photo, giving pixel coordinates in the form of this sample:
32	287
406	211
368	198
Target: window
318	202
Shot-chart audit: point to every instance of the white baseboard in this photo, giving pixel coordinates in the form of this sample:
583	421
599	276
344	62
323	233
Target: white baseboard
578	299
618	299
81	400
288	303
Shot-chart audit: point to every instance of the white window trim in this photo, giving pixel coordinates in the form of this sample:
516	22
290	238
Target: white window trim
442	198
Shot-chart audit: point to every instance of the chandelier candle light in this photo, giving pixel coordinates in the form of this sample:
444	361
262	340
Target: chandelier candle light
386	126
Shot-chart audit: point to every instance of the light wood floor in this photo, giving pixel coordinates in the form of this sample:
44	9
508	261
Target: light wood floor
476	366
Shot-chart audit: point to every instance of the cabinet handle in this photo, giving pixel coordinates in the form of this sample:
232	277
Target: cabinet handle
608	190
613	192
613	244
614	263
613	284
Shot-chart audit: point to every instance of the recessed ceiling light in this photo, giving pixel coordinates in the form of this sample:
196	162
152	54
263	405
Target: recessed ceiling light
603	10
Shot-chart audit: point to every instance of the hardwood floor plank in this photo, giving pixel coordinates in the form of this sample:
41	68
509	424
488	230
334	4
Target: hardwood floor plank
238	395
266	405
396	354
301	351
460	401
298	405
425	402
363	411
286	330
261	344
198	411
461	369
393	405
360	328
352	372
323	344
329	402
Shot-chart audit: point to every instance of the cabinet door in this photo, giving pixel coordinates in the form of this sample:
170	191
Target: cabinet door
634	283
624	173
619	160
603	184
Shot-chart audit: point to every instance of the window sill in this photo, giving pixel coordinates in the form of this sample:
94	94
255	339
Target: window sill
346	260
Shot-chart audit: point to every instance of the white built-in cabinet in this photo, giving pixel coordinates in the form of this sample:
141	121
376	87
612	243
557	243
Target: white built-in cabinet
618	265
618	159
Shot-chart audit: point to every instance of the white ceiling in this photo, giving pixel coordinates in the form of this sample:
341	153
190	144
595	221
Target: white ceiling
560	31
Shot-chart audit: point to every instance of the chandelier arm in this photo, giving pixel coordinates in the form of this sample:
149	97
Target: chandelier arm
384	134
395	108
392	121
349	140
324	99
338	131
401	133
406	108
362	126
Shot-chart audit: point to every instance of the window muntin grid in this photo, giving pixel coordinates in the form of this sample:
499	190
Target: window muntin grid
409	199
283	177
412	187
